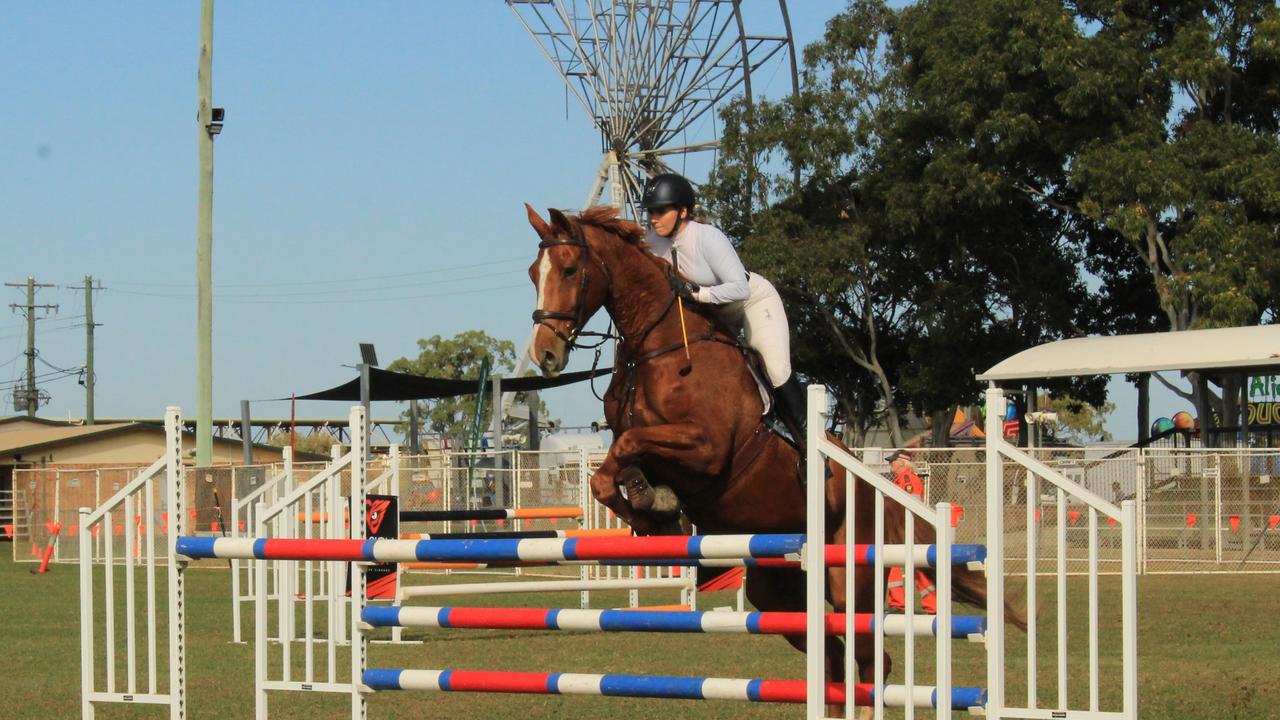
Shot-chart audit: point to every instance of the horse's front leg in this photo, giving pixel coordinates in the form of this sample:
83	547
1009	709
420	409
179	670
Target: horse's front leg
683	444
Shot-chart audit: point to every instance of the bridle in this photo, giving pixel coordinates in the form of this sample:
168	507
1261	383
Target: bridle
575	316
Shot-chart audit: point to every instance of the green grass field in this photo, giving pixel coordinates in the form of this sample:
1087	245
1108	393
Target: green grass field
1209	648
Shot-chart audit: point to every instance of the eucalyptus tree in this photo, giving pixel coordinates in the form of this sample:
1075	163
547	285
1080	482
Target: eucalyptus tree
889	217
457	358
1184	162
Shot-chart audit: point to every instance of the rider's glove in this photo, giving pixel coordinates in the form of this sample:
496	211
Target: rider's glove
683	288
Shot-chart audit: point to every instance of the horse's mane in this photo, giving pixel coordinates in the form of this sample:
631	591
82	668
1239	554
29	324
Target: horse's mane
606	218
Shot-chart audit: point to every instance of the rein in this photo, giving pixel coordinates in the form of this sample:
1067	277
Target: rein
540	317
575	316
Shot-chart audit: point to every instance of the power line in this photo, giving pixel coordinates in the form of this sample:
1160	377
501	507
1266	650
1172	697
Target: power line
30	398
52	331
261	298
419	273
48	364
43	377
337	291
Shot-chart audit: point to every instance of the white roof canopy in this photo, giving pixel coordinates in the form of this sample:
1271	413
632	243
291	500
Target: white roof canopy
1237	348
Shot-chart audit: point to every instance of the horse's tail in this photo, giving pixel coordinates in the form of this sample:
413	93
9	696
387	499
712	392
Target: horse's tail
970	587
967	586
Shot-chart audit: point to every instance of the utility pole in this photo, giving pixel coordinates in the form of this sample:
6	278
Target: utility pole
88	348
209	120
32	395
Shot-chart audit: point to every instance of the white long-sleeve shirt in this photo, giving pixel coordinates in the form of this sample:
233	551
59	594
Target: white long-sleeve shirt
707	258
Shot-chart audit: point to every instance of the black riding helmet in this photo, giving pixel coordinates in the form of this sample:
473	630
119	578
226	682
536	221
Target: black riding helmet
667	190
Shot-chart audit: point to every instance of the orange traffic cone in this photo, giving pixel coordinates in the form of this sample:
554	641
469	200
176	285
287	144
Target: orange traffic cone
54	529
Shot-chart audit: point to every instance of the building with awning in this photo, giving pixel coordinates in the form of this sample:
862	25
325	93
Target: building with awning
1226	357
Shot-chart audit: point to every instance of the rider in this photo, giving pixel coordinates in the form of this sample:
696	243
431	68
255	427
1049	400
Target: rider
708	270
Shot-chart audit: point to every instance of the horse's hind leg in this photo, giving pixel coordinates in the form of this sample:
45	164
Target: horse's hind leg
783	590
863	579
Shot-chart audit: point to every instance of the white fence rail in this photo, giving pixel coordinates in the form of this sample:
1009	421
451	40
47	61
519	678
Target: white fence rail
151	505
1046	488
1198	510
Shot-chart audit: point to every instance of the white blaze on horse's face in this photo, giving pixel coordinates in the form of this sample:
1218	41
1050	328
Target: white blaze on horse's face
548	350
544	269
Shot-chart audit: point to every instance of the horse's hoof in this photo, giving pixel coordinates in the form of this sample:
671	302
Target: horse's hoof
664	500
639	492
642	500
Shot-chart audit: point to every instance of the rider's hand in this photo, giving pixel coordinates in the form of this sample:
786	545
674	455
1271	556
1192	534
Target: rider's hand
683	288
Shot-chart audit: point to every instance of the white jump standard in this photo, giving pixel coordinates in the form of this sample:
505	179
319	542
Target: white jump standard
357	680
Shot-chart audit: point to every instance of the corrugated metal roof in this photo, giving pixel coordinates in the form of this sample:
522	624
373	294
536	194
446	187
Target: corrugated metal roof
1254	347
18	440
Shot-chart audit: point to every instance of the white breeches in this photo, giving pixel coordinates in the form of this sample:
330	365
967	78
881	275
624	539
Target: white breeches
763	323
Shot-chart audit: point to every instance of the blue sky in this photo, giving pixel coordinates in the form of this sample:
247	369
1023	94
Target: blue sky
368	188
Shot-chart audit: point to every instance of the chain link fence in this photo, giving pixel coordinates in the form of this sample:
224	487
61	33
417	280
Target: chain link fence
1200	510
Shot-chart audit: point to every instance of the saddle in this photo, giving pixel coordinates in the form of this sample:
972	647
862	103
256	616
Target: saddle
769	417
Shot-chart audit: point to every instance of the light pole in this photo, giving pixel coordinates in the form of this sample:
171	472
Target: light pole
209	120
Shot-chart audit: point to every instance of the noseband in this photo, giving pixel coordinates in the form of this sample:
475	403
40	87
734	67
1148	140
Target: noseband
575	316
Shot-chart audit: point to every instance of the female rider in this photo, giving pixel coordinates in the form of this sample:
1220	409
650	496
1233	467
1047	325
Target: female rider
709	271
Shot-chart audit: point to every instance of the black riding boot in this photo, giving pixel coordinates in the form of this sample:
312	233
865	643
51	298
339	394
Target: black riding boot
791	408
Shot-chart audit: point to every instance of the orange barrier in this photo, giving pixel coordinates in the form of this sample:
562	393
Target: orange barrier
730	579
317	516
599	532
548	512
54	529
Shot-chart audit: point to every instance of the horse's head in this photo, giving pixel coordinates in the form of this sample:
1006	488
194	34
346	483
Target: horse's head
572	284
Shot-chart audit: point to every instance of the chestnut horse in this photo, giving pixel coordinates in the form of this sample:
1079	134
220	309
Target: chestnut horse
693	424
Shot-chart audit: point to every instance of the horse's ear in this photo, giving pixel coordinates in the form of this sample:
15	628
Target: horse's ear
540	226
560	222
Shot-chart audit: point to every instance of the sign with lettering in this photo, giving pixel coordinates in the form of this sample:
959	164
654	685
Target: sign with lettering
1264	400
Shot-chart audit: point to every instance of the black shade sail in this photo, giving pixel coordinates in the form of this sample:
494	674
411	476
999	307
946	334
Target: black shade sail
387	385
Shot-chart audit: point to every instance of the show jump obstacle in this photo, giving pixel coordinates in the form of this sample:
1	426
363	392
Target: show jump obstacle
359	681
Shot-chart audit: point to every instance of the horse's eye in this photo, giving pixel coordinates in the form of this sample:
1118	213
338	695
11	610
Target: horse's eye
569	271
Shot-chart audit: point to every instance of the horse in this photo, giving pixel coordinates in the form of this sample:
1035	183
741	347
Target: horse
686	415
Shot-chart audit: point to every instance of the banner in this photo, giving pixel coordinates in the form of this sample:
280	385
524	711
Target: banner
1264	400
381	520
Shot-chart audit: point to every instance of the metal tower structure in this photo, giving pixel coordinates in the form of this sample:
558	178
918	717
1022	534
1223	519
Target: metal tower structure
651	73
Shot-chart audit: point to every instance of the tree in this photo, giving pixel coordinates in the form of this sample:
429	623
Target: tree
1183	159
457	358
806	230
902	245
1079	421
1187	168
317	442
956	182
